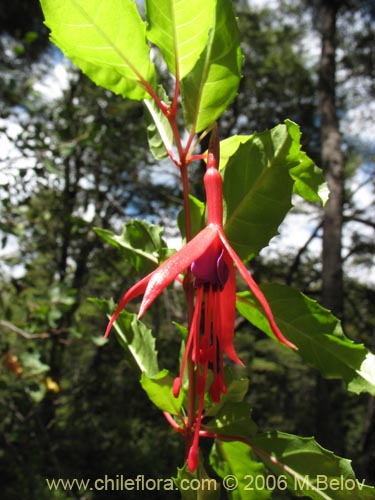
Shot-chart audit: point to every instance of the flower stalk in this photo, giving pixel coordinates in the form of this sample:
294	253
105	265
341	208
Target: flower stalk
208	263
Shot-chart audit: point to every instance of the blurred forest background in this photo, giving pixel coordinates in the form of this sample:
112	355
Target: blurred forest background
73	156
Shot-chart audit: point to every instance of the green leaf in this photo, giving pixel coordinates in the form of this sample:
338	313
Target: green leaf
182	329
309	181
180	29
257	192
316	333
235	393
243	477
228	147
308	469
98	340
37	392
260	173
212	84
232	419
107	40
31	364
197	208
197	485
159	131
159	390
140	242
134	337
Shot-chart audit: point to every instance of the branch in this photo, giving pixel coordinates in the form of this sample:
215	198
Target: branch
301	251
23	333
355	218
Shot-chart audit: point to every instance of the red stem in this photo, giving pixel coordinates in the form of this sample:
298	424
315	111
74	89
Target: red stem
173	423
161	104
189	141
176	94
171	114
189	293
188	286
196	158
182	163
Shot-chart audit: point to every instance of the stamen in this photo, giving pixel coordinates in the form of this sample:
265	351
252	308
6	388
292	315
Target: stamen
194	331
193	456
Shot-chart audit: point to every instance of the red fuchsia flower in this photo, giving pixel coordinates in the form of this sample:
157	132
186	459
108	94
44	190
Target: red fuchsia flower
211	260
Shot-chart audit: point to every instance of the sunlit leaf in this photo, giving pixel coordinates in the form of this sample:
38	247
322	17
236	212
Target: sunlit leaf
180	29
260	173
107	40
159	390
308	469
235	393
212	84
309	182
316	333
32	365
243	476
197	484
140	242
134	337
232	419
196	215
159	131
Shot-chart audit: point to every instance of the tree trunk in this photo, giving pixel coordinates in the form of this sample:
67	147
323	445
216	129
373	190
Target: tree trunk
332	163
329	393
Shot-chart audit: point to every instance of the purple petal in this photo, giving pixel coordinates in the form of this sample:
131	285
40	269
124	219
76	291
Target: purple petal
211	268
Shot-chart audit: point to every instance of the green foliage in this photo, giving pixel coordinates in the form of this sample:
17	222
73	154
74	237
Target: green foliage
93	34
135	338
236	392
60	382
140	243
260	173
170	28
234	463
32	365
201	485
197	210
316	333
308	468
297	464
232	419
209	88
159	390
159	131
